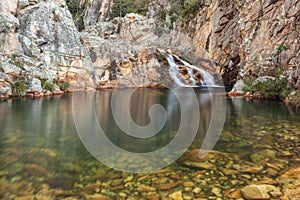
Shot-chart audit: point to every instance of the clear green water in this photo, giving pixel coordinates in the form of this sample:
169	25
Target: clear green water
40	148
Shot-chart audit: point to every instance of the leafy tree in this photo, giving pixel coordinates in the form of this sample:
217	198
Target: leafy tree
123	7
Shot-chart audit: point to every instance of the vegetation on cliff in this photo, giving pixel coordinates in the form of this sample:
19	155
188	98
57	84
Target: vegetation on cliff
19	88
77	8
271	88
122	7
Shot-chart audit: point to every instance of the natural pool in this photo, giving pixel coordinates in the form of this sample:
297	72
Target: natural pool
42	157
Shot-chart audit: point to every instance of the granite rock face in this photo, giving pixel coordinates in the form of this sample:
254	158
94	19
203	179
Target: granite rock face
124	51
236	40
41	41
96	11
248	39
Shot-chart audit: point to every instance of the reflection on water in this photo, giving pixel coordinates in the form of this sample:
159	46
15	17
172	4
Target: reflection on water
139	107
40	149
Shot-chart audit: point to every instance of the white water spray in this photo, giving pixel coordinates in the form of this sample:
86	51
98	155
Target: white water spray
208	79
173	70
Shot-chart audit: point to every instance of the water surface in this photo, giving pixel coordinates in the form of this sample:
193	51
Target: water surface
40	149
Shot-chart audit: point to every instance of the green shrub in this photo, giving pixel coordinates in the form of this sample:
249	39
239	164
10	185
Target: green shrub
186	8
54	10
15	61
47	85
18	88
3	92
279	49
272	88
123	7
4	27
77	12
64	86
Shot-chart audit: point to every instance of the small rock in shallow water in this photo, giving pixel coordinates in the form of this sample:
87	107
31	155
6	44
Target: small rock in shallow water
36	170
260	191
168	186
272	172
284	154
196	190
188	184
200	165
144	188
216	191
150	196
233	193
91	188
116	182
122	194
97	197
176	195
31	197
263	156
253	170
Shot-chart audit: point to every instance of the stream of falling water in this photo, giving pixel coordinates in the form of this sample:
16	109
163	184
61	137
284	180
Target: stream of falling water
208	79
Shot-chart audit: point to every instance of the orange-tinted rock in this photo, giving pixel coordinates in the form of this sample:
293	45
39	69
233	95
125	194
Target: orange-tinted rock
291	183
176	195
233	193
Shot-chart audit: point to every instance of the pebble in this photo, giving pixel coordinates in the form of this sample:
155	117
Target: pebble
122	194
168	186
97	197
196	190
144	188
216	191
272	172
253	170
31	197
116	182
176	195
188	184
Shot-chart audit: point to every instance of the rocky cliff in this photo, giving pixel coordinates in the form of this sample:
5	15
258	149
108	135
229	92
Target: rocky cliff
39	40
236	40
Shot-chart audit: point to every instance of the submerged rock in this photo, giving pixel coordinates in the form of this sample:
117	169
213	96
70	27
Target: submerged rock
263	156
260	192
176	195
36	170
291	183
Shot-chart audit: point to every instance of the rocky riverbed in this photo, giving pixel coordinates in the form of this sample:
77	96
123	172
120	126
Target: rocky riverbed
261	162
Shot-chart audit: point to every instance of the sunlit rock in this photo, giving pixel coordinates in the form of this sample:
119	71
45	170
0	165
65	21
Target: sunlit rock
260	192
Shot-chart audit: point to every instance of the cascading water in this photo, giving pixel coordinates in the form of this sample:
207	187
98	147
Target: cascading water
190	71
208	79
173	70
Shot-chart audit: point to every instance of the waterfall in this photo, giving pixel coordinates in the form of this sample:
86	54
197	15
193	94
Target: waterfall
173	70
208	79
190	71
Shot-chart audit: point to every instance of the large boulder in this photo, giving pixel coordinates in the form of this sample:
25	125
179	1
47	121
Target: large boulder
35	85
45	43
